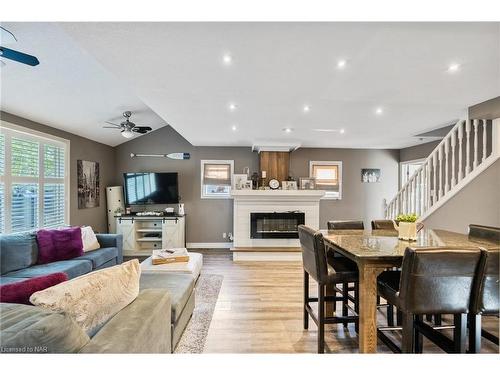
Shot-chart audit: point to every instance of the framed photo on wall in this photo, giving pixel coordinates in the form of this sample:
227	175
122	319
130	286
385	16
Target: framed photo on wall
370	175
88	184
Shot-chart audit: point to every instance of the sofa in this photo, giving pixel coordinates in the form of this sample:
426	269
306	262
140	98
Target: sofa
152	323
19	255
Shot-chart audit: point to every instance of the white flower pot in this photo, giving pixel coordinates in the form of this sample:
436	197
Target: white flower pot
407	231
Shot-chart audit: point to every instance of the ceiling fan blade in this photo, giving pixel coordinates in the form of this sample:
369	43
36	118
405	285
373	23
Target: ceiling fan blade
111	127
110	123
23	58
141	129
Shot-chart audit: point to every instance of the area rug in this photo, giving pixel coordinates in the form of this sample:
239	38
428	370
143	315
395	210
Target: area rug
206	294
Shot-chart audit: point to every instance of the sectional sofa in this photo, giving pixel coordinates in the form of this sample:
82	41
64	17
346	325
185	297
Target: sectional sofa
152	323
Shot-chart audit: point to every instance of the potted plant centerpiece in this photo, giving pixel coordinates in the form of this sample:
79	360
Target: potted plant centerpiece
407	228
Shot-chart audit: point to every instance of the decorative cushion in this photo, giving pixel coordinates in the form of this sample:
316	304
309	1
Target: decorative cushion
17	251
21	291
89	239
92	299
31	329
59	244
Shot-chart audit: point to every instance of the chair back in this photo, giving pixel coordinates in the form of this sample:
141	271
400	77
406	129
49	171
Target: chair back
486	297
383	224
484	232
346	224
440	280
313	253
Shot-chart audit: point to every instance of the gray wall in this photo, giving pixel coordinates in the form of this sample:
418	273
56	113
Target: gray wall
84	149
417	152
489	109
207	219
477	203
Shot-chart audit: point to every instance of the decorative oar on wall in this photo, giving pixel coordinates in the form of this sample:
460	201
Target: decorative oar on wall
174	155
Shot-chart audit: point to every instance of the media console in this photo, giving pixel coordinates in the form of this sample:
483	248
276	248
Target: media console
143	234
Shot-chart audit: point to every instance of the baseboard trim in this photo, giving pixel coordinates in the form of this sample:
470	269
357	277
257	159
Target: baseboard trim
267	256
209	245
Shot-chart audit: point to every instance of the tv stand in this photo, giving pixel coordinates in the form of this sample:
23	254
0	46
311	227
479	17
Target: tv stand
143	234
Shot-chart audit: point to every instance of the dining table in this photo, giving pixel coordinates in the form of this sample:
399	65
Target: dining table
375	251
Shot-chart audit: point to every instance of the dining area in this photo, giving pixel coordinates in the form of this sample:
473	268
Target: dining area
437	287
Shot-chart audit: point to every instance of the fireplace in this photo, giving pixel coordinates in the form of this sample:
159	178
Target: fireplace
275	224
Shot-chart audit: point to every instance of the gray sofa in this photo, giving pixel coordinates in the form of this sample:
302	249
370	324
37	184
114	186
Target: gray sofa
19	256
152	323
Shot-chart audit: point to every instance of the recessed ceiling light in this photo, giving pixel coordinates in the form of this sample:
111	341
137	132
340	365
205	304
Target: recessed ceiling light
341	64
306	108
342	131
379	111
287	130
453	68
234	128
232	107
227	59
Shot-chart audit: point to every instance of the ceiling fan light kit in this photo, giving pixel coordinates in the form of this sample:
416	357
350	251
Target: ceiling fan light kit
127	127
174	155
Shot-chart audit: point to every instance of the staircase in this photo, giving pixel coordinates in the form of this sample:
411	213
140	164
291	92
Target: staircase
464	153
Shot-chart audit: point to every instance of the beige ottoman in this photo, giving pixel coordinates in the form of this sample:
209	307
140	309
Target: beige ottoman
192	267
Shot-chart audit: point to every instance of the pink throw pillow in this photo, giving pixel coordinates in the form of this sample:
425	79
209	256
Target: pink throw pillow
21	291
59	244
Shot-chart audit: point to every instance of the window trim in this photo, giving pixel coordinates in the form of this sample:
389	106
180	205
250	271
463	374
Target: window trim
9	130
202	171
329	195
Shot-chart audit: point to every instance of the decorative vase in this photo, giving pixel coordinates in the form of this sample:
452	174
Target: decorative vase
407	231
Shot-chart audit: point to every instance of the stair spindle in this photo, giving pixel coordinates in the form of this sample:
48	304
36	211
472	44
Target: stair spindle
440	156
453	141
467	145
446	160
484	140
460	152
434	179
476	125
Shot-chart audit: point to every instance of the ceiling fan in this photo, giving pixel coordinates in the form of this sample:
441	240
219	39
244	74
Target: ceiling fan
127	127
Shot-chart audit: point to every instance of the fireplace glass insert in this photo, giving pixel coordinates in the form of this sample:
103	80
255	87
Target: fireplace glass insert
275	224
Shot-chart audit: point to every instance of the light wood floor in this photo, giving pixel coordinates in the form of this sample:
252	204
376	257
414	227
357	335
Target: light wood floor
259	310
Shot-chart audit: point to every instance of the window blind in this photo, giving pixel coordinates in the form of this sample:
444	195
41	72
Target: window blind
53	205
217	174
24	156
2	209
24	209
327	176
2	154
53	161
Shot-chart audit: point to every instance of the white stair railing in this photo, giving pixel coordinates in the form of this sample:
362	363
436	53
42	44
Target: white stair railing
440	176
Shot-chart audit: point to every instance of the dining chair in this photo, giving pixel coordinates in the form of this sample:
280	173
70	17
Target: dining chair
341	225
383	224
432	280
484	232
485	302
345	224
326	271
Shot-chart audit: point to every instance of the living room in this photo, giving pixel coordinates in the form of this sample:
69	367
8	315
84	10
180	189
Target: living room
243	190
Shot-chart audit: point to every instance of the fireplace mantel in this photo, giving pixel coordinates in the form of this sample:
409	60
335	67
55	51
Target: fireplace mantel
299	195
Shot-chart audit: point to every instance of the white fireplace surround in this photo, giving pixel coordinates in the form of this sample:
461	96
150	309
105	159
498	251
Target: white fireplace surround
248	201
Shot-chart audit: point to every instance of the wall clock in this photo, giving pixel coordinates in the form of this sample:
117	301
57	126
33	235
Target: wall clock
274	184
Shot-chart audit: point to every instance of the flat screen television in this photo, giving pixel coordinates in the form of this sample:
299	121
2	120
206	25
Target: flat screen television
151	188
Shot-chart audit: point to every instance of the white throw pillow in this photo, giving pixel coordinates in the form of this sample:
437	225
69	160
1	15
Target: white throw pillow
89	239
92	299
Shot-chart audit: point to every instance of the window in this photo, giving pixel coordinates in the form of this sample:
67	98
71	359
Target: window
216	178
328	176
34	180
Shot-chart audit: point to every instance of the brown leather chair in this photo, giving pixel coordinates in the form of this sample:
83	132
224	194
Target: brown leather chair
435	280
484	232
325	270
383	224
345	224
341	225
485	301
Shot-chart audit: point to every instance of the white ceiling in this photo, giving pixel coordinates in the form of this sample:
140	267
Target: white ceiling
69	90
176	70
